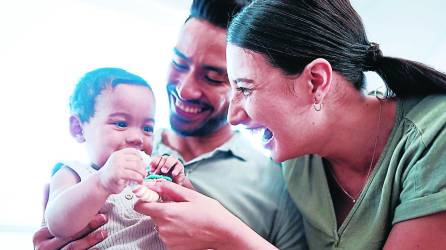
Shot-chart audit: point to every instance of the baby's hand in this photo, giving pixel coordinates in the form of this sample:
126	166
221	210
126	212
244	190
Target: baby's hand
123	166
168	165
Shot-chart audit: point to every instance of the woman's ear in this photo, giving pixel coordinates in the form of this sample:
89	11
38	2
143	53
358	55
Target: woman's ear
76	129
319	78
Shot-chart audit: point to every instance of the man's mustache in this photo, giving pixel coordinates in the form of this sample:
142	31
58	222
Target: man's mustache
172	90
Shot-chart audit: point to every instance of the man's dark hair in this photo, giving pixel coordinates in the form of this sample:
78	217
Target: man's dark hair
216	12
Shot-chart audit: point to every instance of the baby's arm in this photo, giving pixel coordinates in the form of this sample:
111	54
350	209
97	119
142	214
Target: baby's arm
73	204
169	165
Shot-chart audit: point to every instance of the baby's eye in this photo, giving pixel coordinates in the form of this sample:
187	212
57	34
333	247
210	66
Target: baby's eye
121	124
148	129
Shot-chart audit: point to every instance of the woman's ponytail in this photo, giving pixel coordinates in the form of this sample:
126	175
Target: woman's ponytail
408	78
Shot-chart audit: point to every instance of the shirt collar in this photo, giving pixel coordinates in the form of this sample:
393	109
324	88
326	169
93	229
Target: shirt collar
236	146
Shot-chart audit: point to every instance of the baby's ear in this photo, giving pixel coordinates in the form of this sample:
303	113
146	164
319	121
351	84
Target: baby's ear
76	129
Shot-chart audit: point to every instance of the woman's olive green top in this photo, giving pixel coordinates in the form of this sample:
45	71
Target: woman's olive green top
409	181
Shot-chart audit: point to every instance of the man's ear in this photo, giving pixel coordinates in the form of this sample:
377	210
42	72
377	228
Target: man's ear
319	78
76	129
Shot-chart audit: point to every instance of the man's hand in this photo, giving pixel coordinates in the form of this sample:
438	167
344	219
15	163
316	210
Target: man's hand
43	240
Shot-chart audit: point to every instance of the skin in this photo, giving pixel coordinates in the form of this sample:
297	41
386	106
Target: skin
180	225
198	90
120	128
198	87
43	239
254	80
204	45
295	98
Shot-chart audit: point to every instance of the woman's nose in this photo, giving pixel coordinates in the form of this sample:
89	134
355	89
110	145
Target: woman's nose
236	113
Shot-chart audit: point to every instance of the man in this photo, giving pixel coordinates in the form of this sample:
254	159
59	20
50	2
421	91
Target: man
218	160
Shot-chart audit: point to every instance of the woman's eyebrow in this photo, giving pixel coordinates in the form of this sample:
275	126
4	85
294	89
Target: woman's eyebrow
245	80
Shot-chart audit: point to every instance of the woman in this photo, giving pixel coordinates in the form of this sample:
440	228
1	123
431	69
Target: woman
369	173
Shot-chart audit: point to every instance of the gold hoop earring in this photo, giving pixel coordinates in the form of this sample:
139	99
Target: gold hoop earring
317	106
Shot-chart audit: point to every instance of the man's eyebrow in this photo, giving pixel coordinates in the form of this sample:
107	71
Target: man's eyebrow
181	55
246	80
214	68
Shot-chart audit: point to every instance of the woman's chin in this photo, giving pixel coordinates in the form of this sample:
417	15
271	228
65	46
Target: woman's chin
274	153
279	155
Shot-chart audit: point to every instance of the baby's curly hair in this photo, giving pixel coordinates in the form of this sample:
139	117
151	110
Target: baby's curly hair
83	98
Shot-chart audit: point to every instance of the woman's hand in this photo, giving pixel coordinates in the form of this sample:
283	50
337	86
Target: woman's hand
194	221
43	240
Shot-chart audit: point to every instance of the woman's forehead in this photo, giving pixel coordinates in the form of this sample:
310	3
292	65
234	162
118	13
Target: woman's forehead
243	62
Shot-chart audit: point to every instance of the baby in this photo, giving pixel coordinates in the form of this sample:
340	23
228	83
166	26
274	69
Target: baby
113	115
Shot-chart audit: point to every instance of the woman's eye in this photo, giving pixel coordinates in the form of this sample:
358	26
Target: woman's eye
120	124
244	91
148	129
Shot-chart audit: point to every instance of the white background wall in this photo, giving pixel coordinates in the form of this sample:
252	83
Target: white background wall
46	45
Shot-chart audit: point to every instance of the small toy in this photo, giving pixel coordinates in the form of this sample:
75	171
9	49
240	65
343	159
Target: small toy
142	192
145	194
152	176
157	176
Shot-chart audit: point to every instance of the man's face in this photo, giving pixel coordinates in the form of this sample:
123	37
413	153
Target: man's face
198	87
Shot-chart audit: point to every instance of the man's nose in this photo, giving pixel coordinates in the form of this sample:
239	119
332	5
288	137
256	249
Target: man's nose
188	87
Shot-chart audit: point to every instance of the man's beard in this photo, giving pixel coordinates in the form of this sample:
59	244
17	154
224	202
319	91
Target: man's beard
207	127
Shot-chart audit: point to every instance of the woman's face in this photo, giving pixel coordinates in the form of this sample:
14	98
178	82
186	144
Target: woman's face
264	98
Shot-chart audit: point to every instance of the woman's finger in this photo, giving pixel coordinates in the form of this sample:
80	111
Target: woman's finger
152	209
170	191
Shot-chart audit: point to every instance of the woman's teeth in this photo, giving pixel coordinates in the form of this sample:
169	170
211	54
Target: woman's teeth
267	135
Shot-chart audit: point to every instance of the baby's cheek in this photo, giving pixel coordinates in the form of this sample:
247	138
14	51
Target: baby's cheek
148	148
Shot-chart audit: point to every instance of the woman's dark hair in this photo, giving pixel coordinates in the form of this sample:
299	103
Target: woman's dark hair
291	34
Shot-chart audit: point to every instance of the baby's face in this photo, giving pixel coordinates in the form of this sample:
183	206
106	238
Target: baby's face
124	118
